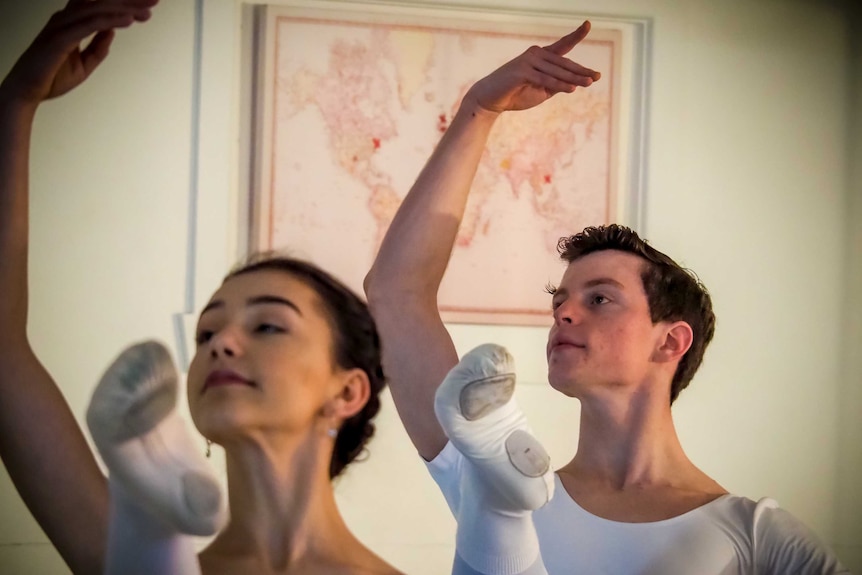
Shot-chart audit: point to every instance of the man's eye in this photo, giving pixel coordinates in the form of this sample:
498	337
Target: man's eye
600	300
203	337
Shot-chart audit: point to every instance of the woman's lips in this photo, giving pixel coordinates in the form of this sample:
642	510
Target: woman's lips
223	378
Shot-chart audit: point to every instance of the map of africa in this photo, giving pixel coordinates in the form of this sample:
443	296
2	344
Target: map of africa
356	110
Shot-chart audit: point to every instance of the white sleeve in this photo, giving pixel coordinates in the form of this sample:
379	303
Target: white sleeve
783	544
445	470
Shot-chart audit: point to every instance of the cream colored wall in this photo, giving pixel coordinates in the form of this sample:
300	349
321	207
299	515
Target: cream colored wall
749	183
848	516
110	184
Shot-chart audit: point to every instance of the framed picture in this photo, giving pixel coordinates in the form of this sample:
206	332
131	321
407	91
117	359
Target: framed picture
349	101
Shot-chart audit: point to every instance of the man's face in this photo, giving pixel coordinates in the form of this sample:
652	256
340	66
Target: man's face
603	336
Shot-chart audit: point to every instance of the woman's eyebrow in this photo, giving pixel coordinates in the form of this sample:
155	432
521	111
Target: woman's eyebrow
273	299
256	300
215	304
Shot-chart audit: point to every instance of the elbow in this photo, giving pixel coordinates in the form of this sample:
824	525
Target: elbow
378	287
391	292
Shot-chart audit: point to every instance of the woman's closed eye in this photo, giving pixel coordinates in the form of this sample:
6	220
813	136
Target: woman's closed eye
268	328
203	336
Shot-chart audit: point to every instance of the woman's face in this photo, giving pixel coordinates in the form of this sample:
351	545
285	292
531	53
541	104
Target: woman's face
264	360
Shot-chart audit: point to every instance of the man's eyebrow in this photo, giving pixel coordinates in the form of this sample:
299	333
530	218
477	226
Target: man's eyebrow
257	300
603	281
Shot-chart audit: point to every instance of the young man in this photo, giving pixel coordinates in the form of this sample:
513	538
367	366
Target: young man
630	328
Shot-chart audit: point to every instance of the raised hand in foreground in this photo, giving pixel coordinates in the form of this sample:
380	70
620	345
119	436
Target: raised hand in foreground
533	77
162	488
506	474
55	62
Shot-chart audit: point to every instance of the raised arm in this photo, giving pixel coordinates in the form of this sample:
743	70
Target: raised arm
41	444
403	283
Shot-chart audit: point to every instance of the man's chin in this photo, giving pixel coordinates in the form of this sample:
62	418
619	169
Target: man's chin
566	386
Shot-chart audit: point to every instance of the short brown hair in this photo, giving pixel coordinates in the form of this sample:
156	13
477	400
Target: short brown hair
673	292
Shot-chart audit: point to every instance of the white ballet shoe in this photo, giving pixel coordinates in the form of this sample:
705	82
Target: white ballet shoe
476	408
146	445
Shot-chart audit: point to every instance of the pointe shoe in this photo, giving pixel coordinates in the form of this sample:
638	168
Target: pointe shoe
147	447
476	408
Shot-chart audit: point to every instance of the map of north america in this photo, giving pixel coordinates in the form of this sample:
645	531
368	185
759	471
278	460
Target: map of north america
358	109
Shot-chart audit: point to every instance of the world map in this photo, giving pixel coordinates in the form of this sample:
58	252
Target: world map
357	108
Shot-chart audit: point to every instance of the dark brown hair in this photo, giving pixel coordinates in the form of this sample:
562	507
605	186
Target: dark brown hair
673	292
356	344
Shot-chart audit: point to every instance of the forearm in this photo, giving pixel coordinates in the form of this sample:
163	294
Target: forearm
42	447
40	441
416	250
16	120
403	282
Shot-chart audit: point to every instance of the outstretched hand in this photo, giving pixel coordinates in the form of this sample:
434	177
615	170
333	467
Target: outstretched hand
534	76
55	62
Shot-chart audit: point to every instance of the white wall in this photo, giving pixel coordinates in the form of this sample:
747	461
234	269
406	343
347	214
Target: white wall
749	183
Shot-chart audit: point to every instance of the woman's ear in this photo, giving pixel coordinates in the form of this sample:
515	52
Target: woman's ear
675	342
353	394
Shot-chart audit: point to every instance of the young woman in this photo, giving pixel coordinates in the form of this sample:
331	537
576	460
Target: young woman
286	374
286	378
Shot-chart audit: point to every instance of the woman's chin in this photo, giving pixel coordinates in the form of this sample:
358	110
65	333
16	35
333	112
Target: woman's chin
225	424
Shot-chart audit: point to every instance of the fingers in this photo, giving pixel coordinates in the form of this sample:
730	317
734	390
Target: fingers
569	41
72	3
562	68
82	10
551	60
96	51
550	84
82	18
554	73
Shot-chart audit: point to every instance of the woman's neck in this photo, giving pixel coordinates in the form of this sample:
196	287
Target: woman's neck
282	506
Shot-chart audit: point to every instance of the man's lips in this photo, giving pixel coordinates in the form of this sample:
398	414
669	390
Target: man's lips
564	343
223	377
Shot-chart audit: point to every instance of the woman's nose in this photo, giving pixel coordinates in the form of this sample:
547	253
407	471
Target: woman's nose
224	344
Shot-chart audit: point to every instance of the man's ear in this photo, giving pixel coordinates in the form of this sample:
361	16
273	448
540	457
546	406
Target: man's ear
353	394
676	340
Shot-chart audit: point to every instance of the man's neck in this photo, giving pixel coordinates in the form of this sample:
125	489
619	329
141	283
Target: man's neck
628	439
630	465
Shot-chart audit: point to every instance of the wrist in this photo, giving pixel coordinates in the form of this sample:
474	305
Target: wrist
12	99
471	109
13	106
